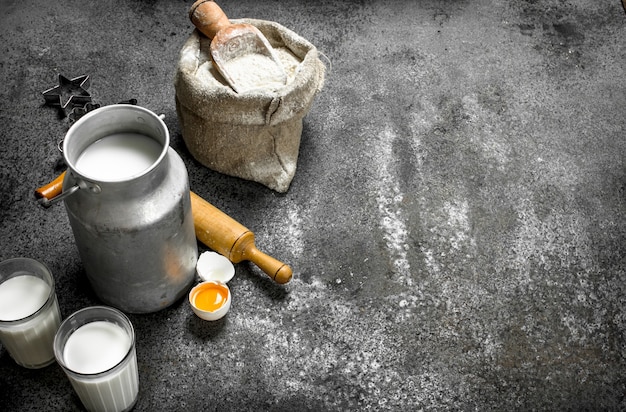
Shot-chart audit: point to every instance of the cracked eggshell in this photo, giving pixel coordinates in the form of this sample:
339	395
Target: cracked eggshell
213	266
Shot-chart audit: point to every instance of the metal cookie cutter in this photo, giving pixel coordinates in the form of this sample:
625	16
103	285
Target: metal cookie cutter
69	93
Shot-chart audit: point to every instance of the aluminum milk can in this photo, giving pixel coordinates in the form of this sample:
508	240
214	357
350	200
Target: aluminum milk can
134	233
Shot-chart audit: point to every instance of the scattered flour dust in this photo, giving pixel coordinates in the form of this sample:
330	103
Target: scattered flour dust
294	230
458	220
422	122
454	222
553	242
389	199
343	356
487	135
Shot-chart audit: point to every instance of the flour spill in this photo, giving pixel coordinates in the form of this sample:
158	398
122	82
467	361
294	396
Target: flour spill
458	222
355	354
294	230
389	199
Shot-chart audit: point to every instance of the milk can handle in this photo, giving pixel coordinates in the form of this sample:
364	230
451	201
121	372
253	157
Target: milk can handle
53	191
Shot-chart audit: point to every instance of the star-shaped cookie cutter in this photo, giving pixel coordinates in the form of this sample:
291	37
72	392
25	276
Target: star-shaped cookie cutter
69	93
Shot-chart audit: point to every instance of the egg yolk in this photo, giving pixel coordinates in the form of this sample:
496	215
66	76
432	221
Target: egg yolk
211	297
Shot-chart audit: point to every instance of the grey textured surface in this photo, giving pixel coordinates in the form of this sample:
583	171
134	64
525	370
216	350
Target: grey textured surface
456	222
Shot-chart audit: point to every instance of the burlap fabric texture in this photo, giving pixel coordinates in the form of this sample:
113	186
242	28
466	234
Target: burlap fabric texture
254	135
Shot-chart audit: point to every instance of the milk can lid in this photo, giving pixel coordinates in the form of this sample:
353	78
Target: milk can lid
213	266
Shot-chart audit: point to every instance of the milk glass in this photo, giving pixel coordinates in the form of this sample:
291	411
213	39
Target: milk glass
29	312
96	349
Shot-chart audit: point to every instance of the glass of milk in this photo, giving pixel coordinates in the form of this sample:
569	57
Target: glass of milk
29	312
96	349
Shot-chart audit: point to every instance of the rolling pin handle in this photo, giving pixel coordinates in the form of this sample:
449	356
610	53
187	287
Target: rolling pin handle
283	275
279	272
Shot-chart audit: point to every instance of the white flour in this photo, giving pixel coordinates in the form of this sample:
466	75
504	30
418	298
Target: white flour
256	71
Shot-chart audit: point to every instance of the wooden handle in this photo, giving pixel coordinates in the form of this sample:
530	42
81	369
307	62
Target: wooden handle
230	238
245	249
208	17
52	189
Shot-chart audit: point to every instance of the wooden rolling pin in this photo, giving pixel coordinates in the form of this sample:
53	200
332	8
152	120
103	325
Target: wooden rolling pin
215	229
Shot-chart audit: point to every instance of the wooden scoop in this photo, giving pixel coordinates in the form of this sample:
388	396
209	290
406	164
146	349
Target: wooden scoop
240	52
215	229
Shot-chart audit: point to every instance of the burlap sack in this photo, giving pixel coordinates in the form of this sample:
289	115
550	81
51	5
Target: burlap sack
253	135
